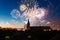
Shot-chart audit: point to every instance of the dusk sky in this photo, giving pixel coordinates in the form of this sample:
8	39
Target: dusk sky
16	12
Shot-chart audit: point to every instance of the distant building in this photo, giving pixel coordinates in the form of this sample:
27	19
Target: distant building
41	28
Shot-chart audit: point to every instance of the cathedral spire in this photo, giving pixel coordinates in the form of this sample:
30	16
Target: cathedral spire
28	24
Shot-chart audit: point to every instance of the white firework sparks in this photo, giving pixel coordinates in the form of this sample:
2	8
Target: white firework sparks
15	13
23	7
35	15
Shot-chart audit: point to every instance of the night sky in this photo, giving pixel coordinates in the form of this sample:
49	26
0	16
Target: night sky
6	7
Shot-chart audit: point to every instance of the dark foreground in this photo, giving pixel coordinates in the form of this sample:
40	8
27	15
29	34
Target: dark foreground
29	35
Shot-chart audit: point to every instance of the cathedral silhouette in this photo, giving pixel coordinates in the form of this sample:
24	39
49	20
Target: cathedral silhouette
41	28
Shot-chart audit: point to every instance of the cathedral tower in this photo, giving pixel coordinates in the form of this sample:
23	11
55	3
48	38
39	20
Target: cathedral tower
28	25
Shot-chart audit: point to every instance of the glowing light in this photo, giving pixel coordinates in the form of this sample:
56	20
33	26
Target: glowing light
40	13
44	29
23	7
7	37
29	36
49	29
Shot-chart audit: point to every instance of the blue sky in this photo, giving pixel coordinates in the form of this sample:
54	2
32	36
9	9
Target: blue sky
6	6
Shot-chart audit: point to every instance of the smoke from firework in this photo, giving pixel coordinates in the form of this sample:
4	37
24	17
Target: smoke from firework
35	14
